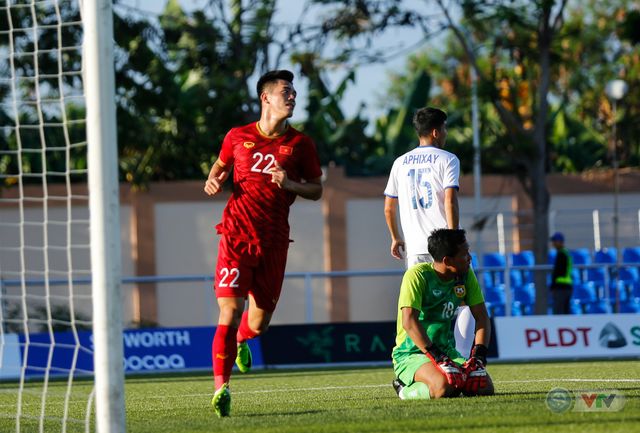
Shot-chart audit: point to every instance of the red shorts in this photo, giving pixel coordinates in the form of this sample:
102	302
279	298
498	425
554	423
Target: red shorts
245	268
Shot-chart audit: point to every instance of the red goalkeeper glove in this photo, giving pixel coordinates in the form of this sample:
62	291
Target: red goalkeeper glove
475	371
451	371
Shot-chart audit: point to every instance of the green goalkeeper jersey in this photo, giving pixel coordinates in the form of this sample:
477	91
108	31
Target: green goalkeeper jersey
437	302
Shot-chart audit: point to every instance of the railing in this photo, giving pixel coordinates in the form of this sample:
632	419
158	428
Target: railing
308	278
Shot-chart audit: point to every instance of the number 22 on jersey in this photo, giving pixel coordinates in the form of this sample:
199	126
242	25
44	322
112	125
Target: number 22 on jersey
264	163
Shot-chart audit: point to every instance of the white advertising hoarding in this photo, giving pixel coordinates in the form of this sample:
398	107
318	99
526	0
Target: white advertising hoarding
571	336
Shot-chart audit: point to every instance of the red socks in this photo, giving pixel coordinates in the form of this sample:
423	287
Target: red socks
244	332
223	351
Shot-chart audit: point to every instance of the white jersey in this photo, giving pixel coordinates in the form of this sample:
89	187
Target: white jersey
418	180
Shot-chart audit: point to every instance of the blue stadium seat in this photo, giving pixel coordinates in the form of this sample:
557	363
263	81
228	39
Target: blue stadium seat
621	291
607	255
629	275
631	255
526	296
495	260
630	306
487	280
495	294
495	310
635	290
524	258
576	276
575	307
474	260
551	256
581	256
584	292
516	279
598	276
598	307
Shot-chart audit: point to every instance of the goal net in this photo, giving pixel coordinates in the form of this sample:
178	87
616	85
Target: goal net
55	290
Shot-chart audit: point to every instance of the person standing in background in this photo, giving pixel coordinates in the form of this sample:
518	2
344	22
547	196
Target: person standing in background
561	281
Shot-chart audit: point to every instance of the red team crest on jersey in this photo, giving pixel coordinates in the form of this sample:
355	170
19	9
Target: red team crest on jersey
285	150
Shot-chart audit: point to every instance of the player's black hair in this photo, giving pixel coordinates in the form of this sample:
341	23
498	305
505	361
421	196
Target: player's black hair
445	243
281	74
427	119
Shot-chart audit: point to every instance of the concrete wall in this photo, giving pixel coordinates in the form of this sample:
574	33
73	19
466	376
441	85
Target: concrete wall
168	231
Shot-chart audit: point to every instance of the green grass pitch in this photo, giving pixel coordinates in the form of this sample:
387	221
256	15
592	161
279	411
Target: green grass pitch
349	400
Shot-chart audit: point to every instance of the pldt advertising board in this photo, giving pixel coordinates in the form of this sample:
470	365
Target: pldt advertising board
145	351
164	350
568	337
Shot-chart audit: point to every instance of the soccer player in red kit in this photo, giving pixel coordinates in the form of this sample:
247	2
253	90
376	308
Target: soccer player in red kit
272	164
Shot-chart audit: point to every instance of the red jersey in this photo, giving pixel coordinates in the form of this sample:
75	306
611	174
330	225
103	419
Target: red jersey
258	210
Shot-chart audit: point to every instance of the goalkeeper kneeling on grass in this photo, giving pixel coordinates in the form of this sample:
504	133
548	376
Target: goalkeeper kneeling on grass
425	360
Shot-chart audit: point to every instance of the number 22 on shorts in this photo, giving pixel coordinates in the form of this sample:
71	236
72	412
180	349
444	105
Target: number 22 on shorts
229	277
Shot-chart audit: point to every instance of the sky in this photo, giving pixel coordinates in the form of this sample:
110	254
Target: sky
371	80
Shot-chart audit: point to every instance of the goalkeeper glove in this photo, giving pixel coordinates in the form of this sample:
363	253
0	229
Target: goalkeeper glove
455	377
474	370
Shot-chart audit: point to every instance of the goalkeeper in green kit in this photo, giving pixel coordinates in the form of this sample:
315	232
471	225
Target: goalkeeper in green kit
425	360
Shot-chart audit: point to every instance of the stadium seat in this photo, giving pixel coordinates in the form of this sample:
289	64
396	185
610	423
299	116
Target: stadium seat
495	260
551	256
526	296
515	278
598	276
576	276
584	292
495	294
474	260
631	255
487	279
597	307
630	306
621	291
575	307
495	310
635	290
581	256
629	275
524	258
607	255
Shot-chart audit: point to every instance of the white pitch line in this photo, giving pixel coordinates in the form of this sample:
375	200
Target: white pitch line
388	385
570	380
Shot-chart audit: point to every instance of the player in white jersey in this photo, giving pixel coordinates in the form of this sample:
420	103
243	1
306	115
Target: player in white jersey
423	185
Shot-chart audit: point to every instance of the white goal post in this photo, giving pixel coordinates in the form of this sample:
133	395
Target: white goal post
60	259
105	215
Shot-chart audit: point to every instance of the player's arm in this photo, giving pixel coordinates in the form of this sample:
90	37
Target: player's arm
390	216
483	324
217	175
414	328
310	189
451	209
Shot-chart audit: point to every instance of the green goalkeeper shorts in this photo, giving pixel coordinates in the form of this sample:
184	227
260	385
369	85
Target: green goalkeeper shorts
405	368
